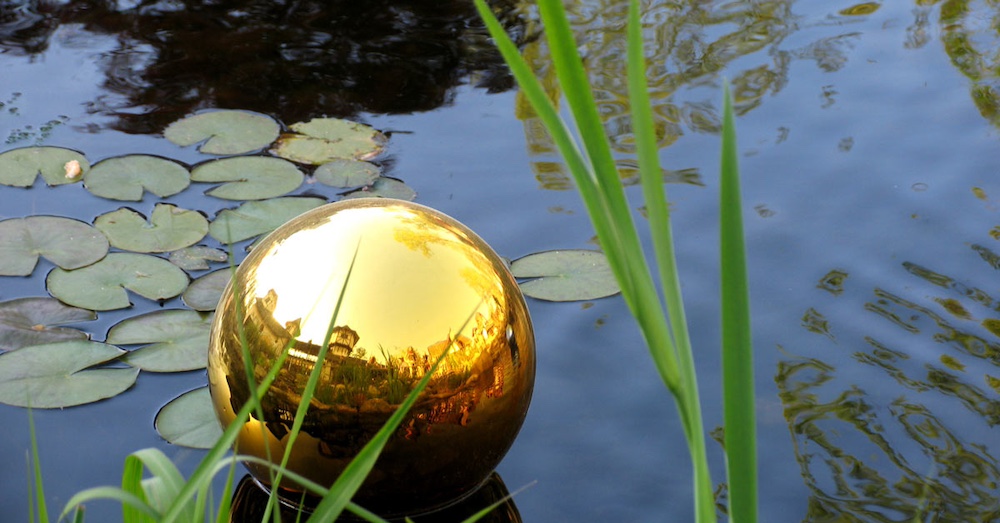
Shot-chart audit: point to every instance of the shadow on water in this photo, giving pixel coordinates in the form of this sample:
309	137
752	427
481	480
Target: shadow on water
295	60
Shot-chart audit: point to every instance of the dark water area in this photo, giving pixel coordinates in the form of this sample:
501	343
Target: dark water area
869	151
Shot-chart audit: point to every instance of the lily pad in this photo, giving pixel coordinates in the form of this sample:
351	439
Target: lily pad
565	275
170	228
249	177
203	294
20	167
175	340
347	173
385	187
189	420
35	321
102	286
256	218
196	258
57	375
68	243
224	132
126	177
322	140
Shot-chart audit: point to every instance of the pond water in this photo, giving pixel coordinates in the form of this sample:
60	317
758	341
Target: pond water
869	151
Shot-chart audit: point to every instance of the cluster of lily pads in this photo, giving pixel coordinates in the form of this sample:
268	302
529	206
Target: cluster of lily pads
44	364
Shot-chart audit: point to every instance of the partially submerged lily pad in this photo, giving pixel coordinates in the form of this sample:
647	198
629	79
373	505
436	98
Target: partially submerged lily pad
224	132
255	218
347	173
175	340
189	420
249	177
102	286
203	294
565	275
196	258
168	229
68	243
385	187
57	375
35	321
322	140
20	167
126	177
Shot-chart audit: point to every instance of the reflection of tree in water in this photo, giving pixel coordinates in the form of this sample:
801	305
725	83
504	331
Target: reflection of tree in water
969	34
295	60
910	455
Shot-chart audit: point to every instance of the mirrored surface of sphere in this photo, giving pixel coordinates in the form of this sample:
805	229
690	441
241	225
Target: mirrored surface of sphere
374	292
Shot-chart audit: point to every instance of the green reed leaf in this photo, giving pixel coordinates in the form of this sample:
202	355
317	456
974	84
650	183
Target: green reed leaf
737	346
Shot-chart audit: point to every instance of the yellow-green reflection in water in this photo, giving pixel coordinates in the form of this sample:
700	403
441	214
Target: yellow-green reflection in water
900	448
418	277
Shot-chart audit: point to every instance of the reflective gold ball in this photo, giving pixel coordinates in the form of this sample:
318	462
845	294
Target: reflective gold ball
413	285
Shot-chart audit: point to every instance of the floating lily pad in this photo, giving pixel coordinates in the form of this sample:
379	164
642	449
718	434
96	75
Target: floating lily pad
196	258
189	420
256	218
565	275
203	294
249	177
34	321
20	167
126	177
102	286
67	243
224	132
57	375
385	187
175	340
168	229
322	140
347	173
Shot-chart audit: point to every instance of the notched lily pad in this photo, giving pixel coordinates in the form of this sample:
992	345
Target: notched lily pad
565	275
168	229
347	173
20	167
58	375
174	340
256	218
189	420
224	132
385	187
35	321
249	177
103	286
196	258
322	140
203	294
68	243
126	177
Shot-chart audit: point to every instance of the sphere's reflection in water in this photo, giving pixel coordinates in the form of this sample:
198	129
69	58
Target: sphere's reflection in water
250	500
418	277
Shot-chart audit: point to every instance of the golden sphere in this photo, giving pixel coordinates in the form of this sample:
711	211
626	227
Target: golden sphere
421	286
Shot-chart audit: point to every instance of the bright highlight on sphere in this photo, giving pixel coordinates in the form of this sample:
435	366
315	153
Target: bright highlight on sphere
418	277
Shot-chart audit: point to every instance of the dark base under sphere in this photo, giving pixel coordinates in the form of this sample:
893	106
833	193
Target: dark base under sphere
374	292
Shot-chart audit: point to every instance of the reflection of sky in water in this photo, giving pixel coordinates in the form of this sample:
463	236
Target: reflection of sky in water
393	285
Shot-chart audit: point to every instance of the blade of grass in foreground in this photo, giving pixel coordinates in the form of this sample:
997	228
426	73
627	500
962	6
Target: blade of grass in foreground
37	490
661	232
737	347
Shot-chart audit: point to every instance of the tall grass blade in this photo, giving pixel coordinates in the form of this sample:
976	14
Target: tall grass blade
654	194
39	489
132	483
737	347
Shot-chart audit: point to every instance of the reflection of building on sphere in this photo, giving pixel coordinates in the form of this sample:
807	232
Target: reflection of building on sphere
422	289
